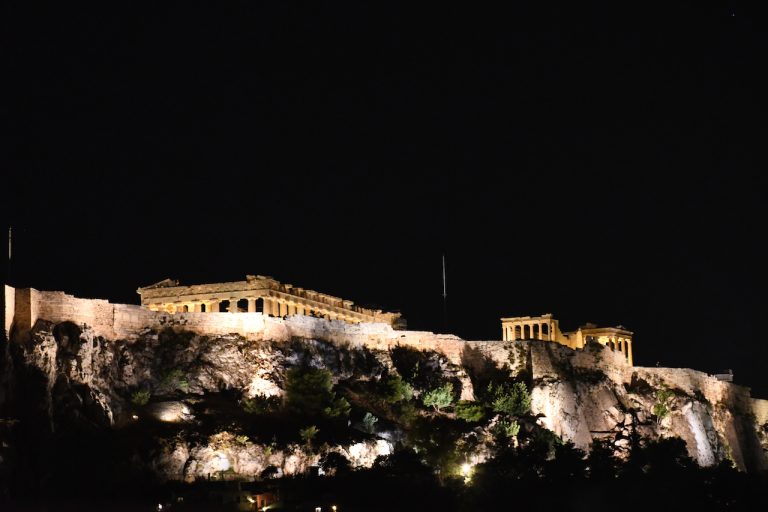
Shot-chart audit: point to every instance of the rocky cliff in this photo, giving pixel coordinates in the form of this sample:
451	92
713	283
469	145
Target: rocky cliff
65	384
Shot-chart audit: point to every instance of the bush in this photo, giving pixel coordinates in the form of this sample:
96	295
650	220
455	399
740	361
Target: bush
369	422
260	404
471	412
269	472
175	379
338	408
308	434
506	429
440	397
663	405
512	400
334	463
140	397
397	390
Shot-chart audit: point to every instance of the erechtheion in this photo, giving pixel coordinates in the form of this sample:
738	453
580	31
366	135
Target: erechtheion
545	327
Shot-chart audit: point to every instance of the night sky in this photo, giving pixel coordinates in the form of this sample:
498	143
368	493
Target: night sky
595	163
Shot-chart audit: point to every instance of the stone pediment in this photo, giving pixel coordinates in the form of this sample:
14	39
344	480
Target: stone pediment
165	283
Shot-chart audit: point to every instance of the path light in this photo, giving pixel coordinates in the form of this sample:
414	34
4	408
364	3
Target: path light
333	508
466	472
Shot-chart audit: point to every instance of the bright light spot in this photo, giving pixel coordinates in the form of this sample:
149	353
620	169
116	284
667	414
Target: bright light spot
334	508
250	500
466	472
135	416
318	509
159	506
223	462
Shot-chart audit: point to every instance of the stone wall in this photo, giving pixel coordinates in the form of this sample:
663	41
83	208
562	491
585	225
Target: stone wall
8	307
570	408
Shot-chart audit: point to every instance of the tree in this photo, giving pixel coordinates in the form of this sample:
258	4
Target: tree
398	390
309	391
471	412
439	397
514	400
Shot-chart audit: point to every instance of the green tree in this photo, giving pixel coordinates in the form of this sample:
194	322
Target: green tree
471	412
397	389
439	397
309	391
514	400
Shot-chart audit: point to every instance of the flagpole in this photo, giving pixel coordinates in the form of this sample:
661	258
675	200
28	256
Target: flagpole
445	299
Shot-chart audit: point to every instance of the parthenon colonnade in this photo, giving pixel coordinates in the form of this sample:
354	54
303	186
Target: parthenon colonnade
257	294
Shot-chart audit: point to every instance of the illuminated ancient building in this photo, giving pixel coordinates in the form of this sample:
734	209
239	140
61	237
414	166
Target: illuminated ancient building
258	294
547	328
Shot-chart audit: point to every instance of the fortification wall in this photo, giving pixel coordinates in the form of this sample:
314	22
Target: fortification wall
124	321
8	308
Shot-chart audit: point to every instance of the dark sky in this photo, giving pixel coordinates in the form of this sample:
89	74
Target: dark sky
596	163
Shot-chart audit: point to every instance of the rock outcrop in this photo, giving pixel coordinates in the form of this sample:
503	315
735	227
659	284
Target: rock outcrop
63	375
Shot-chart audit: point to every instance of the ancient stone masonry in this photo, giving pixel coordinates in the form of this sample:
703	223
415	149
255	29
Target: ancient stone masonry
580	395
261	294
547	328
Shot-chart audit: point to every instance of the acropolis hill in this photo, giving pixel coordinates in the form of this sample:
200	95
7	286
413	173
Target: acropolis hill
240	336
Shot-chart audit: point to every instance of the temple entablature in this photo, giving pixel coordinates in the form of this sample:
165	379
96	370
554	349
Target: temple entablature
546	327
258	294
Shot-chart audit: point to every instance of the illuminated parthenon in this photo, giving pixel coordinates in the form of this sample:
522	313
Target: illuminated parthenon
258	294
545	327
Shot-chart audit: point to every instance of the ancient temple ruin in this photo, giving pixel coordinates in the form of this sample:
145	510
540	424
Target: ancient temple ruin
258	294
545	327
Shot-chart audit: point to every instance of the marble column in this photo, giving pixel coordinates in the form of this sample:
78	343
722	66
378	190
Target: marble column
267	306
251	305
629	352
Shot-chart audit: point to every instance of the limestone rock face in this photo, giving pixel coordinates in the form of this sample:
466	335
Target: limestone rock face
66	377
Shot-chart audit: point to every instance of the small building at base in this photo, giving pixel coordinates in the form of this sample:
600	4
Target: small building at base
546	327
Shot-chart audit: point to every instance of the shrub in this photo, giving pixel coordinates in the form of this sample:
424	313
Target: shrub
439	397
512	400
338	408
369	422
242	440
334	463
140	397
308	434
175	379
506	429
663	405
398	390
269	472
471	412
260	404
